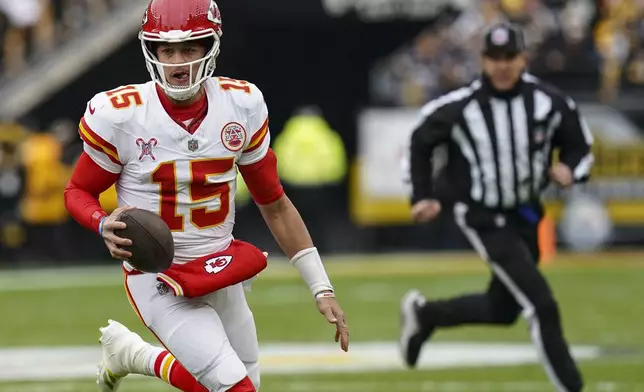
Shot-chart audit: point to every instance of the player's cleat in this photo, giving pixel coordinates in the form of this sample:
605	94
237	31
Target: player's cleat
412	333
122	350
106	380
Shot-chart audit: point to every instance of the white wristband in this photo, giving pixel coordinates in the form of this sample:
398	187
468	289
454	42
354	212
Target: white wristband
309	264
325	294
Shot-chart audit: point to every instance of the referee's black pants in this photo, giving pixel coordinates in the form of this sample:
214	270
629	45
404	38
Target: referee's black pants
509	245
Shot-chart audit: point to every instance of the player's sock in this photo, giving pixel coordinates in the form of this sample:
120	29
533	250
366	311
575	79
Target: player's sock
167	368
244	385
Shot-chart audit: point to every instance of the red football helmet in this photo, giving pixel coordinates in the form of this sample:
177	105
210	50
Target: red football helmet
174	21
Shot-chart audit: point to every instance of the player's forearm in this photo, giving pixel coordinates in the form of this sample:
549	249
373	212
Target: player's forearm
290	232
83	207
287	226
83	190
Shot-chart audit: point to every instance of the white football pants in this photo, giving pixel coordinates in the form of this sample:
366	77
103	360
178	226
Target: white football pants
213	336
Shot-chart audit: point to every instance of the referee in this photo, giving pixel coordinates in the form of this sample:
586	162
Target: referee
500	133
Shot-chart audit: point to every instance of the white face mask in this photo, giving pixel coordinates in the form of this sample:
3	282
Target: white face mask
206	65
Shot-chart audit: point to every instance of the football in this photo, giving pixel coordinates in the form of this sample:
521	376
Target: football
152	244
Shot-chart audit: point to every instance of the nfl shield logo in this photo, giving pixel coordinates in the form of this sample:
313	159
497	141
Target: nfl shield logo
193	145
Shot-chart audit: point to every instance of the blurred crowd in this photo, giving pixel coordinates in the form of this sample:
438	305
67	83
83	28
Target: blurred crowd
33	28
580	45
34	170
36	166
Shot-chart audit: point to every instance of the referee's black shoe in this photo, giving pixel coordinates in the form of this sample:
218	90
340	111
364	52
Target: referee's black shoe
413	333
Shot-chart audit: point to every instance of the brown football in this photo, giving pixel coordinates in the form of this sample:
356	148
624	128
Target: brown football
152	244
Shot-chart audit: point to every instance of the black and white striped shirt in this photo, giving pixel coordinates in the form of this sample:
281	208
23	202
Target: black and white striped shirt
499	146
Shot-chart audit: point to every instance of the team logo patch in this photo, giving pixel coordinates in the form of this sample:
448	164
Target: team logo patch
216	265
233	136
500	36
146	148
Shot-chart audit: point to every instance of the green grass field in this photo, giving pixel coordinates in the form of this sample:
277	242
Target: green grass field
600	298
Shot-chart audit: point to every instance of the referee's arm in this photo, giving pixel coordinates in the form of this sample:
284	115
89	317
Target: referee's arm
431	133
575	142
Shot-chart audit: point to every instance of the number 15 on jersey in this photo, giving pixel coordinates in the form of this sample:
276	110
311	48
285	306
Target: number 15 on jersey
199	190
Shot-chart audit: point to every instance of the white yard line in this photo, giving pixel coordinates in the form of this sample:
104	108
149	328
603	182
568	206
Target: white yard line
66	363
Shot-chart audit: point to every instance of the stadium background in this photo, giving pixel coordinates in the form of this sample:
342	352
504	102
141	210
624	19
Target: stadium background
343	80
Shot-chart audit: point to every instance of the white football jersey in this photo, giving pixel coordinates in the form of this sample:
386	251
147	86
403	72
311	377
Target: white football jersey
189	180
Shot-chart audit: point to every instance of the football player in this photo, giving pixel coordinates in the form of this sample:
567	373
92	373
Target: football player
174	146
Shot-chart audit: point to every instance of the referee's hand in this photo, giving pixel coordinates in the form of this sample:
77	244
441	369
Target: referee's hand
425	210
561	174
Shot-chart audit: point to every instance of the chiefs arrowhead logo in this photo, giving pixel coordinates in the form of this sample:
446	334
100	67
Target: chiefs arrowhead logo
217	264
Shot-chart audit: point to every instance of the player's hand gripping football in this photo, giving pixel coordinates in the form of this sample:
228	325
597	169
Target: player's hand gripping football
113	242
330	308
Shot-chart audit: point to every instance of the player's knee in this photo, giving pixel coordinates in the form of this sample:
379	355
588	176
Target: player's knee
222	374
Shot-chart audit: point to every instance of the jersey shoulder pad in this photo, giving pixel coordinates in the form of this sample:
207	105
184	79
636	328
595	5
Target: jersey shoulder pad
244	94
118	105
99	129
